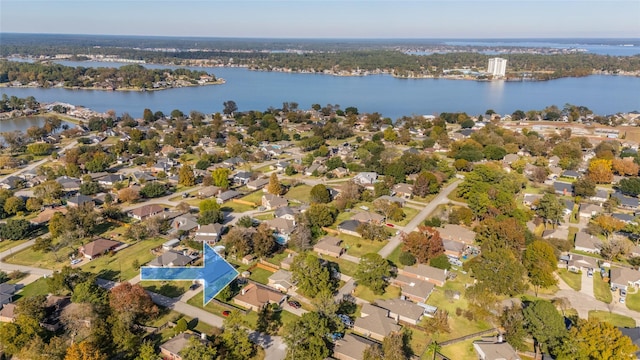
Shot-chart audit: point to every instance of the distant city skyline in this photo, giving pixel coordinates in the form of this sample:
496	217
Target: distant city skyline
327	19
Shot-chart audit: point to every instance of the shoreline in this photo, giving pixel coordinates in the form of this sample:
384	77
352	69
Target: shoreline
8	85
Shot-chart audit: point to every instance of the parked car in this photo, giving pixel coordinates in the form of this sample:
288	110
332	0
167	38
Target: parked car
294	304
622	300
623	293
76	261
226	313
346	320
590	273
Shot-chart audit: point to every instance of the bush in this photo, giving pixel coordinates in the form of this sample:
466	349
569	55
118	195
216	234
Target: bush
407	259
181	326
433	222
440	262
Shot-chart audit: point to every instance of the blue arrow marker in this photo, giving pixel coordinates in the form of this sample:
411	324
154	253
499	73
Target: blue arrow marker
216	273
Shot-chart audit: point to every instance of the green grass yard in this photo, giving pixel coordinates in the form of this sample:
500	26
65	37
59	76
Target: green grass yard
255	197
633	301
601	289
121	265
358	246
300	193
8	244
170	289
260	275
48	260
363	292
572	279
614	319
38	287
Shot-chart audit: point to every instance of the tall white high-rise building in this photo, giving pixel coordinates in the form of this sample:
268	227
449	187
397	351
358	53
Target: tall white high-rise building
497	66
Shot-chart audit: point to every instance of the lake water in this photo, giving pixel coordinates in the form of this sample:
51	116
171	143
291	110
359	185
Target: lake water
392	97
23	124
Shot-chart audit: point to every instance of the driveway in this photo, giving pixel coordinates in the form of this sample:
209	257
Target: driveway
587	285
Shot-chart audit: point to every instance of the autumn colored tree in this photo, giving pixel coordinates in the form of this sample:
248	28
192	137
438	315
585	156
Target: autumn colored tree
221	177
128	194
593	339
263	241
274	186
600	171
608	224
495	234
186	176
130	303
625	166
540	262
84	351
424	244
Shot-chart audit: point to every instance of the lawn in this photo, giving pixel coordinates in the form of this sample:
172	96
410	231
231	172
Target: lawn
344	266
255	197
601	289
418	340
38	287
300	193
572	279
363	292
277	258
614	319
394	257
260	275
633	301
264	216
572	233
358	246
8	244
48	260
409	213
236	207
171	289
459	351
119	267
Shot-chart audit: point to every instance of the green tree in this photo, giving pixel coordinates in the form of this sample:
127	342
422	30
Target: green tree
321	215
13	205
198	350
540	261
372	272
235	338
545	324
14	229
592	339
584	187
148	352
512	320
394	347
440	262
311	276
153	190
630	186
320	194
221	177
230	107
306	338
181	326
550	208
494	152
499	272
186	176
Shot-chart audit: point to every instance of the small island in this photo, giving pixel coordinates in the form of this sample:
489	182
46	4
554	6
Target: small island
132	77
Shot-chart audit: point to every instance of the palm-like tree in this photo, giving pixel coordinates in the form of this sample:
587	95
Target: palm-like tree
434	347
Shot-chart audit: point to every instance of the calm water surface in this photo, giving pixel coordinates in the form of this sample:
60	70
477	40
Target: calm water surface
257	90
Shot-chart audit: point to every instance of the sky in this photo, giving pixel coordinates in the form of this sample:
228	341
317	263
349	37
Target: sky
424	19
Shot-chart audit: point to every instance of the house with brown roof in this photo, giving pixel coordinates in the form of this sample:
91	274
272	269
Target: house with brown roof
457	233
351	347
426	273
255	297
368	217
46	215
283	226
403	190
586	242
413	289
8	312
272	202
208	192
578	263
375	322
98	247
257	184
171	349
402	310
146	211
330	246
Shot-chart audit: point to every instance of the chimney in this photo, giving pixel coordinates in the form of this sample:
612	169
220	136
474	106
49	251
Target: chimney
500	338
243	291
203	336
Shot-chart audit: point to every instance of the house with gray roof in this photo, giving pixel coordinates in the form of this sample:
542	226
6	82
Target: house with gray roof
587	243
209	233
186	223
495	350
286	212
368	217
351	347
402	190
392	199
402	310
170	259
349	227
272	202
330	246
601	196
626	202
172	348
562	188
208	191
365	178
375	322
413	289
79	200
227	195
281	280
589	210
622	278
242	177
257	184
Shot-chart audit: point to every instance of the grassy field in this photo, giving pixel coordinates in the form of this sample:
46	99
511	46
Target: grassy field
363	292
418	340
614	319
255	197
459	351
572	279
170	289
394	257
260	275
357	246
344	266
120	266
633	301
38	287
236	207
8	244
301	193
409	213
601	289
48	260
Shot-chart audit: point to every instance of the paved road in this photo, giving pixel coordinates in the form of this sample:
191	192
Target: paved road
419	218
38	163
29	269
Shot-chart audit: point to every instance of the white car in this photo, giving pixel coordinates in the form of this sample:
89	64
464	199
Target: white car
76	261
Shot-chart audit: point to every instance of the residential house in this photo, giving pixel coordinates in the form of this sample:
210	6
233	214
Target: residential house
283	226
413	289
242	177
402	310
6	293
69	184
53	307
248	259
172	348
557	233
457	233
627	218
622	278
208	192
233	162
531	200
340	172
589	210
185	223
626	202
601	196
164	165
257	184
281	280
568	206
11	182
562	188
255	297
375	322
510	158
587	243
554	172
286	212
453	249
227	195
79	200
403	190
272	202
571	174
577	263
368	217
330	246
98	247
209	233
315	168
425	272
393	199
495	350
46	215
365	178
8	312
141	176
286	262
351	347
110	180
170	259
349	227
554	160
146	211
281	165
